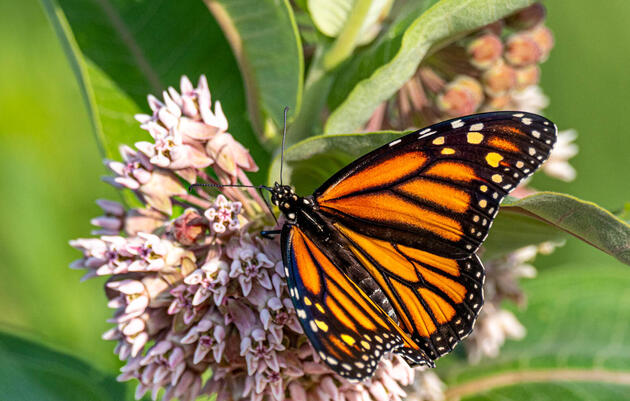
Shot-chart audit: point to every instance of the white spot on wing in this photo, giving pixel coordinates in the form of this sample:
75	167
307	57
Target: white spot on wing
457	123
476	127
396	142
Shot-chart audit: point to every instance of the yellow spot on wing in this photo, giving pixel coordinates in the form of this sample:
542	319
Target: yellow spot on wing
497	178
348	339
448	151
493	159
323	326
320	308
307	301
439	141
475	137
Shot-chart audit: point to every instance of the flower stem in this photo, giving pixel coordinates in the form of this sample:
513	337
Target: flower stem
348	37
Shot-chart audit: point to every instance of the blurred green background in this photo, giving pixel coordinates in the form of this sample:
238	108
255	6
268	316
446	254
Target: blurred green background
50	166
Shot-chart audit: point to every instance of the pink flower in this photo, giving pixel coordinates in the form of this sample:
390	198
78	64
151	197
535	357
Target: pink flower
223	215
133	172
210	280
250	266
183	304
492	329
189	112
229	154
169	151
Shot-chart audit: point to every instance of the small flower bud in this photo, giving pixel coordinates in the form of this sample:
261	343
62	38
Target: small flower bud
499	79
544	39
523	50
111	207
485	51
527	76
461	96
189	228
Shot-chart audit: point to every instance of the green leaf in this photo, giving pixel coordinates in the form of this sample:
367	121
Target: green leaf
30	371
121	51
309	163
396	59
266	42
577	322
584	220
560	389
511	231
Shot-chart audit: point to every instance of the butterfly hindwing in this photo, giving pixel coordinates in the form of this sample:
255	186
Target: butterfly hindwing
438	189
349	332
436	299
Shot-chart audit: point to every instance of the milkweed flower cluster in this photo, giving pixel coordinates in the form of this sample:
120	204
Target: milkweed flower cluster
194	289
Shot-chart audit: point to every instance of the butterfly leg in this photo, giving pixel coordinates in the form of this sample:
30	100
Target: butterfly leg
270	234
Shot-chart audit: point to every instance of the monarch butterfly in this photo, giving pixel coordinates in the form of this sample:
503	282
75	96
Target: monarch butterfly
381	258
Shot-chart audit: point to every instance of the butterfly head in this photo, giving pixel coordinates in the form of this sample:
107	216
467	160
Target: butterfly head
285	198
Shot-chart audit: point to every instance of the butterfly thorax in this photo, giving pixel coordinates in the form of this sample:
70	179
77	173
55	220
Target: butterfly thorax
288	202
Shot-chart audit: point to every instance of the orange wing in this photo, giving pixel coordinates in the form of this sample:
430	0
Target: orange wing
349	331
439	189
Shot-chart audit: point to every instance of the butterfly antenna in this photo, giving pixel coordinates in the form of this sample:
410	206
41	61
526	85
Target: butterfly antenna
284	134
259	187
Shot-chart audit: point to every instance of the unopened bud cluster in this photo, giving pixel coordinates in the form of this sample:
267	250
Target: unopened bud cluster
494	68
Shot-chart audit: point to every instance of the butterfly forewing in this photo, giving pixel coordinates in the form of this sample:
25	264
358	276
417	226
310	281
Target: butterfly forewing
409	216
438	189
